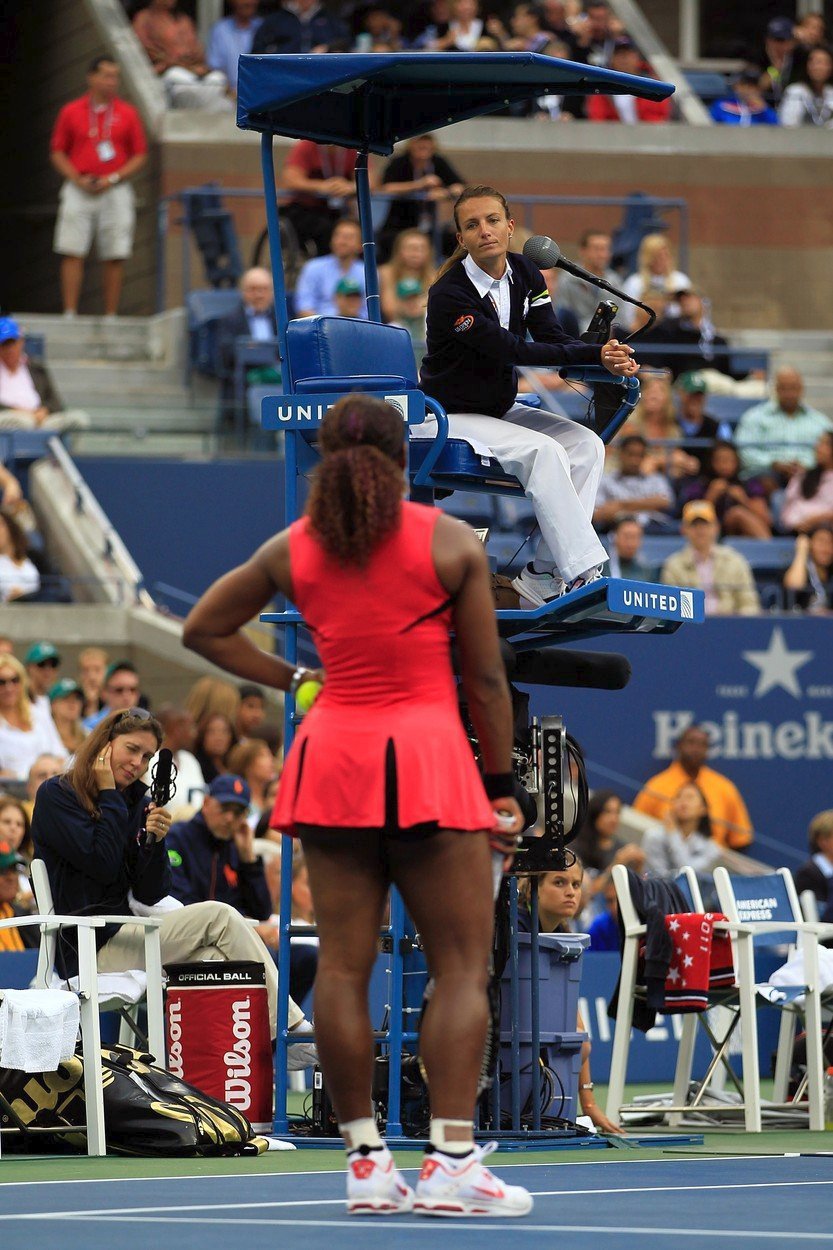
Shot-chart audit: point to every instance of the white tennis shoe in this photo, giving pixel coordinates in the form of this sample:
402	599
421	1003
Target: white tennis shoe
375	1186
536	589
458	1187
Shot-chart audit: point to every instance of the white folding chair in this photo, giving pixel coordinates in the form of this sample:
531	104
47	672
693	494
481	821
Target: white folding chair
629	990
768	907
85	927
46	977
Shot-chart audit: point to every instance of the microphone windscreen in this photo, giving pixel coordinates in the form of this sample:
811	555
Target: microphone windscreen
597	670
162	777
542	251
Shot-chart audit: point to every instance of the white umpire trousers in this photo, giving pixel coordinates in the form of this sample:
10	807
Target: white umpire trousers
559	464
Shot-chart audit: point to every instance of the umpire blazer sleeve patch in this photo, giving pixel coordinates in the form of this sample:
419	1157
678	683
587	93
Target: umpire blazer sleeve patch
537	300
464	323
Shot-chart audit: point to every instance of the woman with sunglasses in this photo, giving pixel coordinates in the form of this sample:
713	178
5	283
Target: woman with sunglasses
23	734
90	827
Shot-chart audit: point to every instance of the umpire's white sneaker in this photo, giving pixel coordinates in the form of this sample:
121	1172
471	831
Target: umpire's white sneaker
375	1185
536	589
449	1186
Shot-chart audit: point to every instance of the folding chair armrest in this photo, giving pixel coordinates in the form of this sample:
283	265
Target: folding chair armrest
53	922
636	930
145	922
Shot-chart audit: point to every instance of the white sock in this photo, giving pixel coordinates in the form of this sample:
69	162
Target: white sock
358	1133
303	1026
452	1137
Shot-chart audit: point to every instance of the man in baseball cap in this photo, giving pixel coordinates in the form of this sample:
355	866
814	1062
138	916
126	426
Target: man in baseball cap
722	573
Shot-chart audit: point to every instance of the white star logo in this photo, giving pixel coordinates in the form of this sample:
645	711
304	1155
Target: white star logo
685	935
688	961
673	925
673	975
777	665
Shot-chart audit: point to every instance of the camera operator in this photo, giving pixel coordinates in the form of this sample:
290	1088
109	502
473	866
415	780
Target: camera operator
91	827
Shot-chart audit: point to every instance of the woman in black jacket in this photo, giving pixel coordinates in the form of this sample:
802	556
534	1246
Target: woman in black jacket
481	308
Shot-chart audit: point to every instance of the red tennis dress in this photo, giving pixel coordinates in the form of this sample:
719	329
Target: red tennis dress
383	745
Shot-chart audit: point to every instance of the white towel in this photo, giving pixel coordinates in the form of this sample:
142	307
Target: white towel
166	904
38	1029
129	987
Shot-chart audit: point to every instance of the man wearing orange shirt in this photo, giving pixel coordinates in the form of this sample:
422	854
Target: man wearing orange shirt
729	818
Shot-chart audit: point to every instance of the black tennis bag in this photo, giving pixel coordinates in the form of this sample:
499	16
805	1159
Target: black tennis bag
146	1111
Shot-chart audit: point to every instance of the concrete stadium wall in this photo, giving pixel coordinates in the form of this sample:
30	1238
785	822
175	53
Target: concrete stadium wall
761	204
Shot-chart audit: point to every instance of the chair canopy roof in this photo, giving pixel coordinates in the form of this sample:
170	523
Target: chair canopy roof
373	100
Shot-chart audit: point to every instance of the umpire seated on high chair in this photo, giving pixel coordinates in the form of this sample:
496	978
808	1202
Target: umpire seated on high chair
92	825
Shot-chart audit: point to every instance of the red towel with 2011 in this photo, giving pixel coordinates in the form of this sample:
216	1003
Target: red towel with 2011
701	961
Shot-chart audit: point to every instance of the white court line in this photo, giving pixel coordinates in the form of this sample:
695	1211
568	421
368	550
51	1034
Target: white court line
450	1226
118	1213
506	1160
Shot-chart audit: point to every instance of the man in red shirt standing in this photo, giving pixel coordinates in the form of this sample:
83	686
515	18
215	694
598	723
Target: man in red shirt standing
98	144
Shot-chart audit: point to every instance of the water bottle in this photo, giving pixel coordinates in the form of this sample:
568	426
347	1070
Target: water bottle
828	1099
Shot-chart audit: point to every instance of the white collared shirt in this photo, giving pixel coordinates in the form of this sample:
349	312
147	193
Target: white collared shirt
496	288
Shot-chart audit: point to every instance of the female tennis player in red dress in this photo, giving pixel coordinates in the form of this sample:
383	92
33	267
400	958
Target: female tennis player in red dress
381	785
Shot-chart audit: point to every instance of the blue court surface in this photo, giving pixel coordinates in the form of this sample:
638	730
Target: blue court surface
697	1203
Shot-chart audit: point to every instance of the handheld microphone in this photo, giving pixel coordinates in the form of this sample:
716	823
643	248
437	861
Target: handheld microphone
546	254
162	785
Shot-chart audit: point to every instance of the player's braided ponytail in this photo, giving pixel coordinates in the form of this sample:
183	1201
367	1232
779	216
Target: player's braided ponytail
356	495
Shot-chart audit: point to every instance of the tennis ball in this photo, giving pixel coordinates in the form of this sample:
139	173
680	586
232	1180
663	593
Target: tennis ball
306	694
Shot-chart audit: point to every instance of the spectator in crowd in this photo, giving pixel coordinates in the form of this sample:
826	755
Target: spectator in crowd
404	282
599	845
252	711
809	579
43	767
655	275
212	855
349	298
604	930
16	827
320	178
98	145
741	507
625	551
122	690
635	489
426	22
746	105
213	743
816	873
556	20
654	417
23	735
631	110
18	575
28	398
685	840
559	902
722	573
693	420
809	102
212	694
692	329
376	29
180	734
778	63
426	179
596	31
11	492
254	762
232	37
24	938
777	438
808	501
303	949
809	32
464	30
528	30
580	297
317	281
254	319
279	31
87	827
42	661
92	668
67	700
729	818
320	30
177	55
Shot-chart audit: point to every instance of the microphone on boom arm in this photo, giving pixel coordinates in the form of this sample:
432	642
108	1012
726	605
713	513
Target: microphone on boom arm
162	785
546	254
